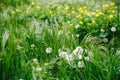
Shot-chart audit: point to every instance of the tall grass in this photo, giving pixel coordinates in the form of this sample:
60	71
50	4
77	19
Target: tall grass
25	35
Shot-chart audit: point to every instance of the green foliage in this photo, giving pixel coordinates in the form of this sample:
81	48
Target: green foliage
59	40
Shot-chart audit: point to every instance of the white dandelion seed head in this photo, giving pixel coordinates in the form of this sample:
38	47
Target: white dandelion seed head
102	30
105	40
69	58
87	58
77	26
113	29
33	45
79	56
35	60
63	54
77	35
49	50
38	69
80	49
80	64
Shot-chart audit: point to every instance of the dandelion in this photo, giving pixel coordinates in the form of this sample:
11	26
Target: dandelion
63	27
33	45
58	8
62	53
38	69
110	16
35	60
80	64
49	50
87	58
102	30
73	12
71	25
79	56
78	50
85	7
77	35
69	58
77	26
13	12
112	4
66	8
17	10
93	21
33	4
51	13
38	7
113	29
81	22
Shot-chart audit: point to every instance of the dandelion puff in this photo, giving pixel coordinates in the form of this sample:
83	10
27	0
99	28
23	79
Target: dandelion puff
80	49
113	29
87	58
77	35
77	26
38	69
80	64
102	30
49	50
79	56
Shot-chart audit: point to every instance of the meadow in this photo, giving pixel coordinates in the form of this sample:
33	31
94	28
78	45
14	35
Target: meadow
59	40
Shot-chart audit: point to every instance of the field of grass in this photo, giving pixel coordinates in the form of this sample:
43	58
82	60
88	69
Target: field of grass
59	40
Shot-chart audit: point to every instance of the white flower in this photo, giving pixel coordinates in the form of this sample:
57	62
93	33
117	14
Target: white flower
39	69
63	54
102	30
35	61
79	56
113	29
87	58
48	50
105	40
77	35
21	79
75	52
33	45
80	49
80	64
69	58
77	26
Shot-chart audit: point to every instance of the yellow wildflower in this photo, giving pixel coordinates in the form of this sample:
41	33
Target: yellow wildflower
51	13
84	7
13	12
68	14
71	24
105	5
38	7
66	8
110	16
112	4
63	27
93	21
58	8
88	24
33	4
73	12
80	9
81	22
17	10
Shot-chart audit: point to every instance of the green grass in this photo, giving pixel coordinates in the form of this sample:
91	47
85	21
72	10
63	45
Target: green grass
72	29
